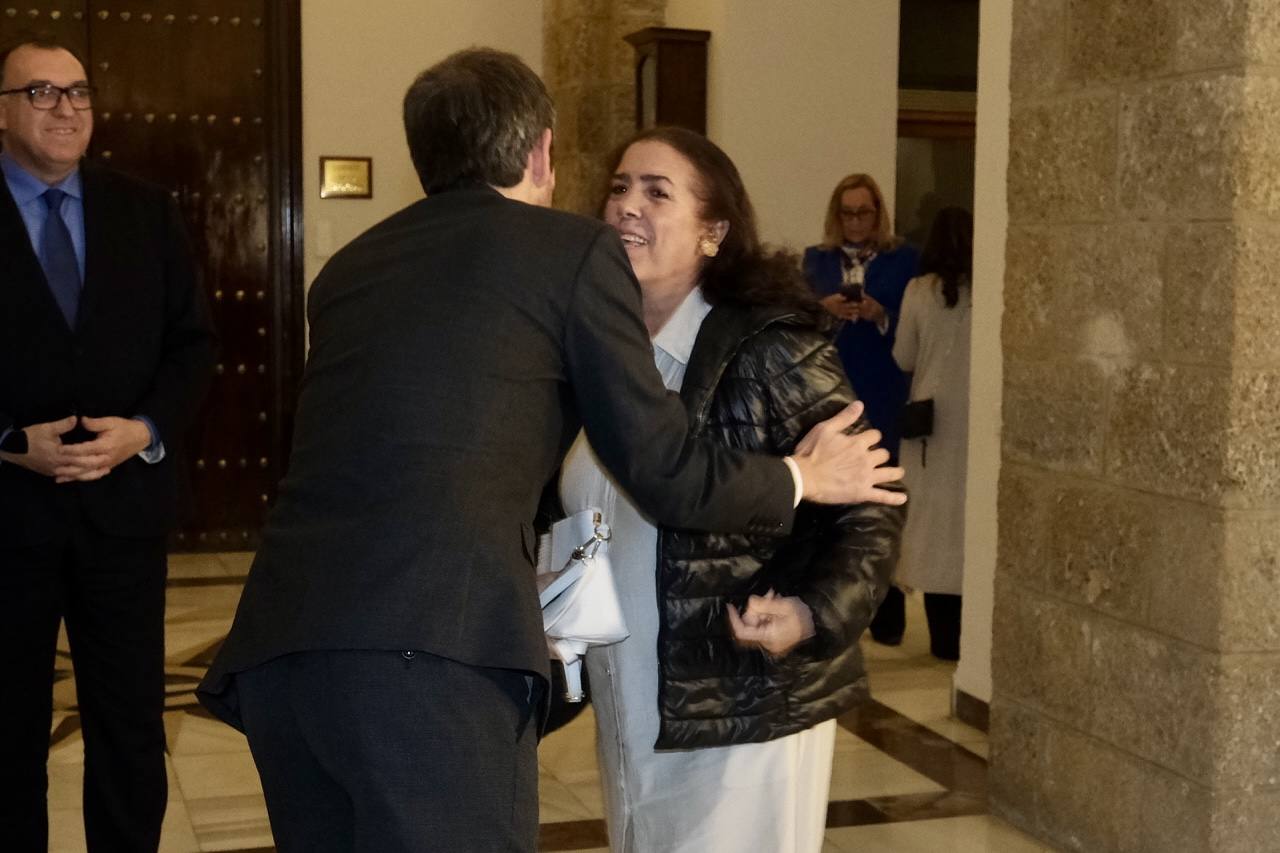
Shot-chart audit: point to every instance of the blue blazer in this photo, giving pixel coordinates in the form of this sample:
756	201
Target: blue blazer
866	354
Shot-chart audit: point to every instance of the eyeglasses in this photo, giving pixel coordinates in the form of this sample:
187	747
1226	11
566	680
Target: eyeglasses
857	213
46	96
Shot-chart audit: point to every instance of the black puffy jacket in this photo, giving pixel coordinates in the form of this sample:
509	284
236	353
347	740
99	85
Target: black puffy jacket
757	380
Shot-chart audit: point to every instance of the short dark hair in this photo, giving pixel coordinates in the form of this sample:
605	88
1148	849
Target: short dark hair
43	41
744	271
473	118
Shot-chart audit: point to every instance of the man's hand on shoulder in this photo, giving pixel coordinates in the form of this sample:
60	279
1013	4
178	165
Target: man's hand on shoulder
839	468
117	439
45	450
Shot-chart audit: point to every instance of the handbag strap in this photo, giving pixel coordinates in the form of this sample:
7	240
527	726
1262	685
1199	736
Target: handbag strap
588	549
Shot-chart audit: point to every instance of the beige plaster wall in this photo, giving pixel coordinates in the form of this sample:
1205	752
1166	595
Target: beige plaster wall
800	94
357	61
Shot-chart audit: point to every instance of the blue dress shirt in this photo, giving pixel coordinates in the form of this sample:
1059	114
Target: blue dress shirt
27	190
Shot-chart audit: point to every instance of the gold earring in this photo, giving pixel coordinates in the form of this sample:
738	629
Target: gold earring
709	247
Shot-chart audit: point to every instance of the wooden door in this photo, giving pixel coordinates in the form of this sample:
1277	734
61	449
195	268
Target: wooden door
203	97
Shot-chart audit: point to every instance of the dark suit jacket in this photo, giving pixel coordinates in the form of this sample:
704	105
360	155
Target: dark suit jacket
143	346
455	349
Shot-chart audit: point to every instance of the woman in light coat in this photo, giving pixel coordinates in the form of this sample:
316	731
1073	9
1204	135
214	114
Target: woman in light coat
933	348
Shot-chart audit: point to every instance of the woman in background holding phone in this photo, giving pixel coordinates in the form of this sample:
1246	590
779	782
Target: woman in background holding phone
860	273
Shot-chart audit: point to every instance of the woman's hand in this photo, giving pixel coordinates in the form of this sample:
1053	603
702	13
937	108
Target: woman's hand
771	623
869	309
839	306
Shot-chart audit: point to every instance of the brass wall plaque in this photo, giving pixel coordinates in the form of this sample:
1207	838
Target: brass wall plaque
346	177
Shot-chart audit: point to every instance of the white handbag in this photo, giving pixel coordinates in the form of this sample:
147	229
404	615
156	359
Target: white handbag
579	600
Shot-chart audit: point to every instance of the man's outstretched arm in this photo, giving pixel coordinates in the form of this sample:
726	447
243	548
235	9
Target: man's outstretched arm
641	433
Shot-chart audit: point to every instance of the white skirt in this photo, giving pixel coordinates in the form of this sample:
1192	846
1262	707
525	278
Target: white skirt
766	797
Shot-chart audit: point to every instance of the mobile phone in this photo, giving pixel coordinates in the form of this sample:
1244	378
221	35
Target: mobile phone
852	292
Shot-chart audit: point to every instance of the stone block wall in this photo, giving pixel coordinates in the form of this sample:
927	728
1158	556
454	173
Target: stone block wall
589	70
1136	659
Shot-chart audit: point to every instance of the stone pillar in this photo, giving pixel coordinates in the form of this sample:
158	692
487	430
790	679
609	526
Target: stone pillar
1136	657
589	70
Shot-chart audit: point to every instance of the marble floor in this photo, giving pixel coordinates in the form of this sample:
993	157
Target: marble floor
907	776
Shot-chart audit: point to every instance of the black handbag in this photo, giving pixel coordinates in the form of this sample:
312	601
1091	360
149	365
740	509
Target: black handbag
916	419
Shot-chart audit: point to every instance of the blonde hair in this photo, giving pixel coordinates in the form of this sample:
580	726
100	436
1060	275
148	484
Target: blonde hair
882	234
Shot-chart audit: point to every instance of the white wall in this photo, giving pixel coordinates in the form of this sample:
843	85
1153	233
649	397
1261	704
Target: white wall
991	219
357	61
800	94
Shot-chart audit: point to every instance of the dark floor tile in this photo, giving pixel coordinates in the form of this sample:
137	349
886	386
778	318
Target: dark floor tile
853	813
929	806
65	729
204	657
216	580
905	807
573	835
920	748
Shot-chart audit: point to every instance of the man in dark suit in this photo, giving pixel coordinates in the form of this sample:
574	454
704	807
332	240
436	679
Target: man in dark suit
387	660
105	352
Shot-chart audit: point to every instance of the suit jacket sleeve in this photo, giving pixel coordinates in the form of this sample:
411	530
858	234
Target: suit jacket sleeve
186	363
640	430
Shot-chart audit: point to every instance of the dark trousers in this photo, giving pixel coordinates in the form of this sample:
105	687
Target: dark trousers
890	621
383	751
942	612
110	592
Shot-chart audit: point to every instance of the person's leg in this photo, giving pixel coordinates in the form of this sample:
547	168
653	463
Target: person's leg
435	754
310	812
31	592
890	621
115	622
943	613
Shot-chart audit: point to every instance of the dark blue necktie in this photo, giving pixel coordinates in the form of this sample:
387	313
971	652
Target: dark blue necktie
58	257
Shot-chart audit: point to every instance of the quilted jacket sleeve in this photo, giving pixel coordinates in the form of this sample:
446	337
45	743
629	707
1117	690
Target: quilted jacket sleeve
839	559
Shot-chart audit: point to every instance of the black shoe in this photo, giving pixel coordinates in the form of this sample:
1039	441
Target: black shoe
888	641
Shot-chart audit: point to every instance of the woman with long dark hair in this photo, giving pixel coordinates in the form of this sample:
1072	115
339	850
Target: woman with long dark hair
933	348
715	718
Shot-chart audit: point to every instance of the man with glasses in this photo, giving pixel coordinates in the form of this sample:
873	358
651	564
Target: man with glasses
105	353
